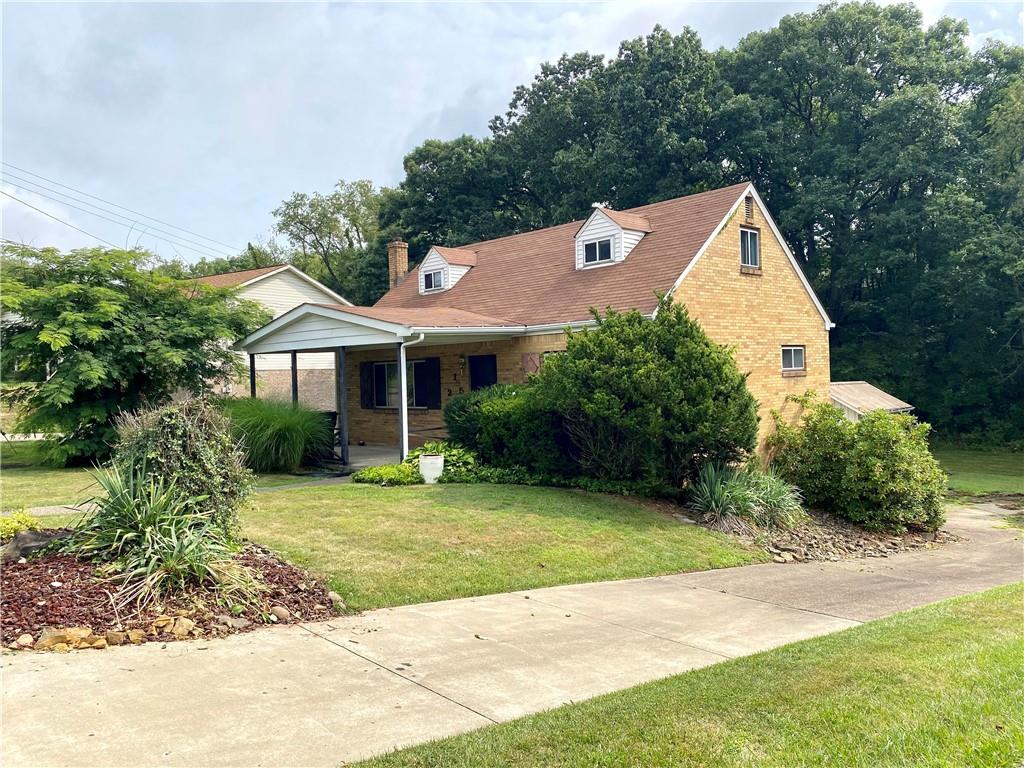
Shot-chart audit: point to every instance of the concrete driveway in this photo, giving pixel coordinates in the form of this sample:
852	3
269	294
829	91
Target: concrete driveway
326	693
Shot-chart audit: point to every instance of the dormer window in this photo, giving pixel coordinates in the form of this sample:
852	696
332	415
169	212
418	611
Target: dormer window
434	280
597	251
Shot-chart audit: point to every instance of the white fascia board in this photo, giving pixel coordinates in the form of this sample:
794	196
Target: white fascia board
305	310
302	276
829	325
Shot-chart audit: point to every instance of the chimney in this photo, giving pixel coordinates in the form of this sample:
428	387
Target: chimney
398	261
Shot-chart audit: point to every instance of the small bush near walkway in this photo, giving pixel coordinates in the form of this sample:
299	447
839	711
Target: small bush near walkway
277	435
389	475
878	471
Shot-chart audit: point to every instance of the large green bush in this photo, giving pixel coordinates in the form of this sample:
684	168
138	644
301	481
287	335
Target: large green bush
878	472
189	443
278	434
649	400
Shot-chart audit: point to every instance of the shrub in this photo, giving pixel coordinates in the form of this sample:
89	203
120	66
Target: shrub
877	472
16	522
189	444
739	501
153	541
649	400
278	435
389	474
456	458
462	413
522	476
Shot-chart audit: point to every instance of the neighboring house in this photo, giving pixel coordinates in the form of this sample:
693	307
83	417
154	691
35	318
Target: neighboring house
489	312
280	288
858	398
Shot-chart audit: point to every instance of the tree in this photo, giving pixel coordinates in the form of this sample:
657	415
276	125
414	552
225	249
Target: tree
334	235
102	335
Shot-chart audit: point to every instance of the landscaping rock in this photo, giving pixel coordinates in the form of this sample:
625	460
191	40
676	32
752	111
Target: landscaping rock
234	622
280	613
114	637
25	641
336	601
25	543
136	636
50	638
182	627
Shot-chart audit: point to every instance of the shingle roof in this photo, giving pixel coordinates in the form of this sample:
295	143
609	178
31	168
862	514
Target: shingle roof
628	220
232	279
464	257
532	278
434	317
863	398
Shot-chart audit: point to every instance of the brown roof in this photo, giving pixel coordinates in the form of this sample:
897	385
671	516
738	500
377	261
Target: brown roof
532	278
863	398
464	257
434	317
232	279
628	220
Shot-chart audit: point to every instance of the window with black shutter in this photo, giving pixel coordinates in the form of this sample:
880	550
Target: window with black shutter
379	384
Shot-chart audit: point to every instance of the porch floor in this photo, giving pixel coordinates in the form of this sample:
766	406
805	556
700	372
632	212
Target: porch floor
361	456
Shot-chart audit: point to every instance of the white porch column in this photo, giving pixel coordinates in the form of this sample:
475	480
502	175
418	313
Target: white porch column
403	405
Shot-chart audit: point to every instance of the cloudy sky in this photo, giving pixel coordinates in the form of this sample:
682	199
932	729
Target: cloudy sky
205	116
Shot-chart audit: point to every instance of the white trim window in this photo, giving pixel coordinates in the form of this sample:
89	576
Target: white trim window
385	384
433	280
597	251
793	358
750	248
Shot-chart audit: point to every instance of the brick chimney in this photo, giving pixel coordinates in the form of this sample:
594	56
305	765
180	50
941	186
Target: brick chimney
398	261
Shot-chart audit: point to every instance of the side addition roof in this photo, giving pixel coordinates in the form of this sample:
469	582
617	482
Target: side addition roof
861	397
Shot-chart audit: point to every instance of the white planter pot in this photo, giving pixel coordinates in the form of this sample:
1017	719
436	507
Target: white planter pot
431	467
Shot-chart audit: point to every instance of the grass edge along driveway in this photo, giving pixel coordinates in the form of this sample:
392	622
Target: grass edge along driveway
381	547
935	686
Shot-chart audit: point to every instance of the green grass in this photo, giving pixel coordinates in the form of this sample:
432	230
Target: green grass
937	686
25	482
982	471
392	546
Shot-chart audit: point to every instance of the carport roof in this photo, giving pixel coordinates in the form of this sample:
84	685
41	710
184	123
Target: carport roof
426	317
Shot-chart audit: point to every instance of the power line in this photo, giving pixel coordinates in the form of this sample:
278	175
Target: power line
123	208
131	225
55	218
178	239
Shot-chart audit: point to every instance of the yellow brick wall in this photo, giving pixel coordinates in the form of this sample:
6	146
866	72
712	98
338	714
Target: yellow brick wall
380	426
757	314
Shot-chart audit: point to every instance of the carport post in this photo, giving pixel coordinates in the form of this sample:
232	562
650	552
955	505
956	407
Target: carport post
403	405
341	403
252	376
295	376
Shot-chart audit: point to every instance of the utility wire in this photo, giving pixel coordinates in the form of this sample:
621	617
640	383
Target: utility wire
55	218
128	223
36	187
123	208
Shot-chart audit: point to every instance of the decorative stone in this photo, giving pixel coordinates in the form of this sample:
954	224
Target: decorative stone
162	622
235	622
79	635
98	642
25	543
136	636
182	627
113	637
49	638
25	641
336	601
280	613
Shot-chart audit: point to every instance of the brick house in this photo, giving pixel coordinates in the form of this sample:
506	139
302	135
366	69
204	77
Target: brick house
489	312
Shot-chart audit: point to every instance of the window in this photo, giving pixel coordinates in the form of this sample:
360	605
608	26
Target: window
597	251
385	385
750	248
433	281
793	359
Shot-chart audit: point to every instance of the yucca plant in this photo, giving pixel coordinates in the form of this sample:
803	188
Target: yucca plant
743	500
776	503
152	542
278	435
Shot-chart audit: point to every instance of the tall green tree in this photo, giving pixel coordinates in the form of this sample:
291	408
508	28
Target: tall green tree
101	334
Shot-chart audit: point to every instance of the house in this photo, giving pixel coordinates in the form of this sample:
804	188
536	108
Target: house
857	398
280	288
489	312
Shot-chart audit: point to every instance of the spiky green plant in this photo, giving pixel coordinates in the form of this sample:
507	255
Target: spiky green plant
278	435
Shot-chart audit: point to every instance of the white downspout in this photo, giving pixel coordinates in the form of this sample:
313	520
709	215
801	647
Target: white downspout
403	408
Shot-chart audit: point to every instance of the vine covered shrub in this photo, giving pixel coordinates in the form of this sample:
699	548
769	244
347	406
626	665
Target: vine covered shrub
389	474
188	444
878	472
649	400
278	434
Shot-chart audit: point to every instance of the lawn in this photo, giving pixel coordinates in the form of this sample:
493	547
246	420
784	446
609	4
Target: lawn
392	546
26	482
937	686
982	471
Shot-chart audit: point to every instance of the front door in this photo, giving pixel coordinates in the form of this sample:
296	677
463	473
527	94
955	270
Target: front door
483	371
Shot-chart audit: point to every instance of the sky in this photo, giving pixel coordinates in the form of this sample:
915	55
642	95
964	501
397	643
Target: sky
206	116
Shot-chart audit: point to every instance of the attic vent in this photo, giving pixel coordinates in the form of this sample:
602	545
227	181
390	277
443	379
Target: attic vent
748	207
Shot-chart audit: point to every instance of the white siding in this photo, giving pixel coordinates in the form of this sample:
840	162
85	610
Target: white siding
434	261
316	331
600	227
280	293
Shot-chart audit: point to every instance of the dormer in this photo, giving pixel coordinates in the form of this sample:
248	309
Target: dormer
444	267
608	236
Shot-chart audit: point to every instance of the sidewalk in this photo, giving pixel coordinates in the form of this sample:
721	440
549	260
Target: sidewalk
322	694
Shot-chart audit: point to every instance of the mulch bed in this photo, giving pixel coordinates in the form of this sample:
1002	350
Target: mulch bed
59	591
827	537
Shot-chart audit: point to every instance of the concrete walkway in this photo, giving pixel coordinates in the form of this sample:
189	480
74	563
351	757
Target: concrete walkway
321	694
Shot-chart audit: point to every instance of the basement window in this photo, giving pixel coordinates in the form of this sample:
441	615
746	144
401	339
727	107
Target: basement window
433	281
597	251
750	248
793	359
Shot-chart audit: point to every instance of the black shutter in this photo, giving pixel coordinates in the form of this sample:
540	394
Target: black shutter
366	385
428	383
